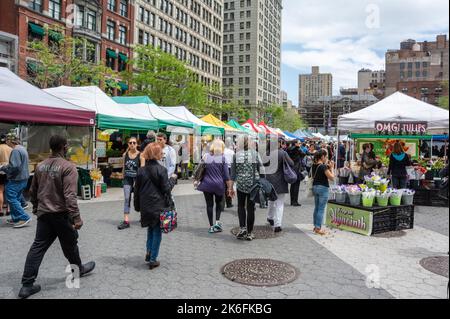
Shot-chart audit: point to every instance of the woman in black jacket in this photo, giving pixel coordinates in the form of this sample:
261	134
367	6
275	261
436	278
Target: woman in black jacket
397	166
152	197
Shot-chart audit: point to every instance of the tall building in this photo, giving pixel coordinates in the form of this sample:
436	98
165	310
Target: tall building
189	29
418	69
371	82
314	85
252	53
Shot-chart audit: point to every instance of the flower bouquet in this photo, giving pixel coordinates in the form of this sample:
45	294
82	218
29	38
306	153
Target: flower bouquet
368	197
382	198
408	196
354	194
396	197
340	193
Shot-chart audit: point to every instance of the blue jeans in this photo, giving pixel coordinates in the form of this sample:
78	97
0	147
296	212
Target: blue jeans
320	202
399	182
14	191
154	236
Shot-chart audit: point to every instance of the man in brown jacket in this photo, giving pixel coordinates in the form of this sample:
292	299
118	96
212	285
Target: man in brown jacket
54	198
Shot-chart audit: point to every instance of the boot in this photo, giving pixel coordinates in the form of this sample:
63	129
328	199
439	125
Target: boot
87	268
27	291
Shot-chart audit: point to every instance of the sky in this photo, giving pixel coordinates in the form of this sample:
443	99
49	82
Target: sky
343	36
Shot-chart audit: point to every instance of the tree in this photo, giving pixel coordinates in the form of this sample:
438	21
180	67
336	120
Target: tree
167	80
59	63
443	100
285	119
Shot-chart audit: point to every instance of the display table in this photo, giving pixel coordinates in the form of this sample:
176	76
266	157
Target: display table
369	220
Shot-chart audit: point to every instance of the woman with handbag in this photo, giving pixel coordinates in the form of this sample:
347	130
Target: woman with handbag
215	176
322	172
245	171
152	197
275	174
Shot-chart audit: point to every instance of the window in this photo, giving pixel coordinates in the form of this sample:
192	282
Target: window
425	64
35	32
91	51
122	34
424	73
111	58
123	9
35	5
409	74
402	65
418	65
92	20
54	7
141	37
112	5
80	16
410	65
123	59
111	30
417	74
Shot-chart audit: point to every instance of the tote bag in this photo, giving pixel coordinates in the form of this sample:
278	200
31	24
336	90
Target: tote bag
289	175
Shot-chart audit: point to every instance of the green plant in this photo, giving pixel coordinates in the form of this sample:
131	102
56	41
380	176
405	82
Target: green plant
438	165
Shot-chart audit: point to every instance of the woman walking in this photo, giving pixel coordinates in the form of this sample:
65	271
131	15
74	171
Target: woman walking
213	183
276	178
5	153
322	172
397	166
152	197
131	162
245	171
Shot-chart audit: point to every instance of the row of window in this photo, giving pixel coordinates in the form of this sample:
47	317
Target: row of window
54	7
111	32
423	90
403	65
409	74
123	7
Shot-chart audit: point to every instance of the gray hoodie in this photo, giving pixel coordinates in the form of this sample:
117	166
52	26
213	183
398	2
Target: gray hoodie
17	169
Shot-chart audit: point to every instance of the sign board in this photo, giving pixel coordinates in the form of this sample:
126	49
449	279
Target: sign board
415	128
349	219
101	149
116	162
384	146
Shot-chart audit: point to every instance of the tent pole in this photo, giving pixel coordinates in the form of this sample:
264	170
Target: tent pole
336	154
94	150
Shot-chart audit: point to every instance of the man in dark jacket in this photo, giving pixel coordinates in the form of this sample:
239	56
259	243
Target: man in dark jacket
54	198
297	155
150	138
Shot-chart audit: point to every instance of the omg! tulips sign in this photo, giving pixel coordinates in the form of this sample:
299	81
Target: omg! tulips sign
401	127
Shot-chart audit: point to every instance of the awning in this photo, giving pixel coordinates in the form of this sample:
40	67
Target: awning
123	57
211	119
111	54
55	36
36	29
236	125
201	126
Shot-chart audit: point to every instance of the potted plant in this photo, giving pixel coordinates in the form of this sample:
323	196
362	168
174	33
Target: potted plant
354	195
408	196
395	197
382	198
368	197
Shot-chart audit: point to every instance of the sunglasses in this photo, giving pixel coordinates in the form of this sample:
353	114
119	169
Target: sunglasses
132	143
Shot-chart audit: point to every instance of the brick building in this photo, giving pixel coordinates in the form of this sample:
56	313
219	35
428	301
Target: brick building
106	26
419	68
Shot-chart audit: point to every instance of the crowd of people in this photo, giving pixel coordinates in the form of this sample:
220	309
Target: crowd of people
230	169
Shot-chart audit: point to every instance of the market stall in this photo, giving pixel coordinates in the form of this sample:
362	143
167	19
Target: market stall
229	130
36	115
395	118
236	125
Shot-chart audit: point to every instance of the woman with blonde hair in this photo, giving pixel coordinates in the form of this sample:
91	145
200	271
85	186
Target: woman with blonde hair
213	183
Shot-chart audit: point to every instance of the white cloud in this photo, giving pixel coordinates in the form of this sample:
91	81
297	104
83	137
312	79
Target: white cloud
336	36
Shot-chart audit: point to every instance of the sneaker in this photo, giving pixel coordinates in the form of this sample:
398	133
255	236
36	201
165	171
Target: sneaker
153	264
211	230
270	221
27	291
250	236
218	227
123	225
26	206
277	229
87	268
242	234
22	223
10	222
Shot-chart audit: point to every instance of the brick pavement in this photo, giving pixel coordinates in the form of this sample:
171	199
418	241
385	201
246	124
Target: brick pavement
190	258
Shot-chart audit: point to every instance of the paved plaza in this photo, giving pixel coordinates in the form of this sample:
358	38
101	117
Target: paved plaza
339	265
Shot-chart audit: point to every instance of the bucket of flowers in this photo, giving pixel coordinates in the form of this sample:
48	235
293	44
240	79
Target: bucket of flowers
408	196
354	194
396	197
382	197
340	193
368	196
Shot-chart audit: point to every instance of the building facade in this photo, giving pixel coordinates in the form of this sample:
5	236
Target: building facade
371	82
252	53
418	68
189	29
314	85
322	113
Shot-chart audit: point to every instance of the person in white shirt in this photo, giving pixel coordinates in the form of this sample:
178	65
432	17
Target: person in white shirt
169	159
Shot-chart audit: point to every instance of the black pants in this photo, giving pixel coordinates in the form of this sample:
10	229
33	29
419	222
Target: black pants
50	227
295	188
246	211
210	198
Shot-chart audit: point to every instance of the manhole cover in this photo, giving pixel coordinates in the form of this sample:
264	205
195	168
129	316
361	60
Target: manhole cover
391	234
259	272
437	265
261	232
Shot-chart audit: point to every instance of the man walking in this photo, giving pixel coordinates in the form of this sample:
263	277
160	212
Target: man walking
54	199
296	154
17	175
169	159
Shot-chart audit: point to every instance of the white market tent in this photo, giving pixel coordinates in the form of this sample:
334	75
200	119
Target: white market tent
396	107
20	101
183	113
110	115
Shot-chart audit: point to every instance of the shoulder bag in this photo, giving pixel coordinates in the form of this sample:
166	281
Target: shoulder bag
310	182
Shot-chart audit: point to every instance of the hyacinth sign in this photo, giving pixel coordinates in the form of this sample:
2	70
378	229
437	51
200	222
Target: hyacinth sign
349	219
393	127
